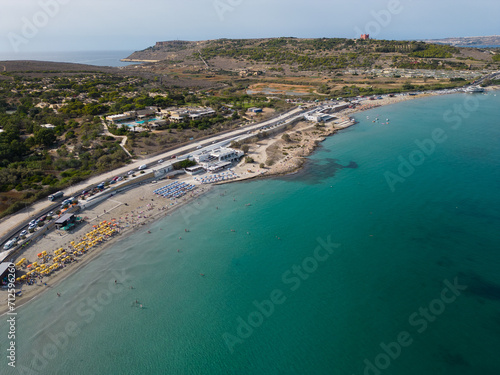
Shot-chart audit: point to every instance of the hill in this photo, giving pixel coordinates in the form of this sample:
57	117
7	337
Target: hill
294	55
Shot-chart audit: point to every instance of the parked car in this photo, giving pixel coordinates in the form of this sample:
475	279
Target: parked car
119	178
23	233
9	244
130	172
160	161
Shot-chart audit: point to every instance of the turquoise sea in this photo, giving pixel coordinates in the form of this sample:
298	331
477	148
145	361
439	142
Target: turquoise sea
333	270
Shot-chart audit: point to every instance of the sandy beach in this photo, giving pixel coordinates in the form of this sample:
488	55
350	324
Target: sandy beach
132	209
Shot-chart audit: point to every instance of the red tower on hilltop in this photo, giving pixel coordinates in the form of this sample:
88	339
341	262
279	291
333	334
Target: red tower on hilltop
365	36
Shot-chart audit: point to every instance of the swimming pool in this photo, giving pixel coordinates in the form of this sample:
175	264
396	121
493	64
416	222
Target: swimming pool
138	123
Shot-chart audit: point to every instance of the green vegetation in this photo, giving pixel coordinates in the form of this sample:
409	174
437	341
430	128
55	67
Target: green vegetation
184	164
331	54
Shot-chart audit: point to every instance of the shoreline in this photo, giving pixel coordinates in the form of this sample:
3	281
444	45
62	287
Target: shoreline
31	292
288	164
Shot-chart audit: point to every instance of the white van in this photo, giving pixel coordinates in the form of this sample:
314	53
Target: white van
144	166
9	244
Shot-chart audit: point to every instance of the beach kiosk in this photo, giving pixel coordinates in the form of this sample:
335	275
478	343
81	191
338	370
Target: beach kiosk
64	220
4	271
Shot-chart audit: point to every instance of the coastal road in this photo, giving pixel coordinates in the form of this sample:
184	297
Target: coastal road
21	218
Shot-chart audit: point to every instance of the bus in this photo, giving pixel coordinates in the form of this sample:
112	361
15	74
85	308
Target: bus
54	196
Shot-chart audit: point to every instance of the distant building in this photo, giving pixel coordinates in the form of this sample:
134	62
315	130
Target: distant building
178	115
365	36
143	113
255	110
48	126
202	113
193	114
115	119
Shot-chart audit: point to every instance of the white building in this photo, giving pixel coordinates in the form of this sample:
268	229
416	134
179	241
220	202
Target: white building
48	126
121	117
219	154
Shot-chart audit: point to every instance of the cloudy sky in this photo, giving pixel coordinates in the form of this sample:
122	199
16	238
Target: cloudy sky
64	25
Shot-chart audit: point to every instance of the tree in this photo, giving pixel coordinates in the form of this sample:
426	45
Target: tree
45	137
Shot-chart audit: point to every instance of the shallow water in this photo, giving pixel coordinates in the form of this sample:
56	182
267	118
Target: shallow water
370	257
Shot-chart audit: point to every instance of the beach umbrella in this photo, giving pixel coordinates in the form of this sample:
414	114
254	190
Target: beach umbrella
39	255
23	277
30	265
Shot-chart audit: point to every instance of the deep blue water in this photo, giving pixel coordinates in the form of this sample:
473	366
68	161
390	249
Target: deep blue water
337	269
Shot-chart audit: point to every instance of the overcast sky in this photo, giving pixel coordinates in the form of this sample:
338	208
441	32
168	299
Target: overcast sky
62	25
